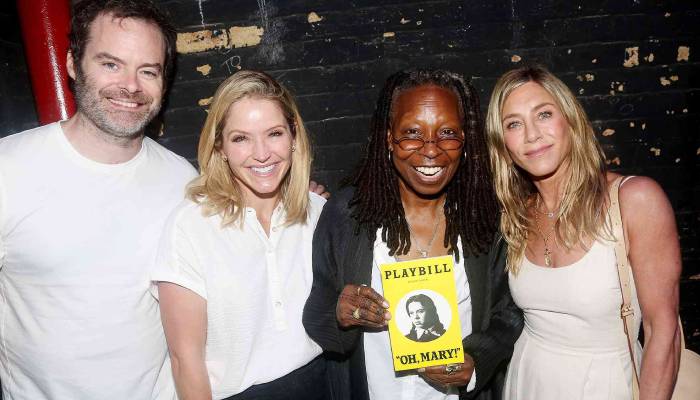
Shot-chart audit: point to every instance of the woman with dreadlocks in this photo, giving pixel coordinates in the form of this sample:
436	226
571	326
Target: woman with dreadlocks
422	190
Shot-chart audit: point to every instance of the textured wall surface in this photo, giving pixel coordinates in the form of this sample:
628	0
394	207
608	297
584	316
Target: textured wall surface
633	63
16	102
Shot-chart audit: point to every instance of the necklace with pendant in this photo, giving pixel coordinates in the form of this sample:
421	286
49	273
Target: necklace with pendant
545	239
424	252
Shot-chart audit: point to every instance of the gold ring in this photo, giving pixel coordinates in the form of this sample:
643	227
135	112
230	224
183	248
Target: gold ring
356	313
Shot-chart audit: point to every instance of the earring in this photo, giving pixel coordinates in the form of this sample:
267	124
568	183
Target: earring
294	148
223	157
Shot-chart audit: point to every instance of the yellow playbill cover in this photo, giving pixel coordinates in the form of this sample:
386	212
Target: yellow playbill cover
424	329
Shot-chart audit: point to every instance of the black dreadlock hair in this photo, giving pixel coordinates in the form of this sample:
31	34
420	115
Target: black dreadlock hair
471	209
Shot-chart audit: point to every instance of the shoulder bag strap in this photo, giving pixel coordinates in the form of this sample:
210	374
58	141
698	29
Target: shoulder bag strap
624	273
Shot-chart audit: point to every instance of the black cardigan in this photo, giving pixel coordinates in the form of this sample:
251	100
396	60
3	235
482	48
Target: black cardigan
341	257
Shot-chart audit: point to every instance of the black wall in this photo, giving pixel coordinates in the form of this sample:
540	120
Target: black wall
634	64
16	102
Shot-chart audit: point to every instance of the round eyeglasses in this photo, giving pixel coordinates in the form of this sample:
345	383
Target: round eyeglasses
413	143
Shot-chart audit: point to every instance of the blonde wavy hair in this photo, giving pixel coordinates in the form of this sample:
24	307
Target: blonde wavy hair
217	189
581	212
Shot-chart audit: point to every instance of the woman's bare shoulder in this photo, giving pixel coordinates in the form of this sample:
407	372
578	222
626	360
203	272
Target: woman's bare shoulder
644	205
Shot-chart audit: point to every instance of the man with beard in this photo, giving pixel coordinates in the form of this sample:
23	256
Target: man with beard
82	206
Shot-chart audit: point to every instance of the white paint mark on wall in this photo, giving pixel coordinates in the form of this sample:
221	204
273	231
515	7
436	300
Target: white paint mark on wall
615	161
389	34
271	49
515	58
201	11
608	132
656	151
243	36
232	64
204	69
313	17
236	36
263	14
632	59
195	42
683	53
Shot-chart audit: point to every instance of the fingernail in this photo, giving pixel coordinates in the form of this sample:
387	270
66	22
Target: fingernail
387	315
385	304
421	370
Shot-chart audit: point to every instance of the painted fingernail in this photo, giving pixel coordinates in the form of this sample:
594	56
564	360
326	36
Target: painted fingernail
420	370
385	304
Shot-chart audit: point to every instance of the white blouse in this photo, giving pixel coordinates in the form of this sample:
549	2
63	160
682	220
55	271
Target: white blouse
382	382
255	287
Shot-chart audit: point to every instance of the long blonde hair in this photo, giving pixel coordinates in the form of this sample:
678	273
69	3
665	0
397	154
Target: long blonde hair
581	212
216	189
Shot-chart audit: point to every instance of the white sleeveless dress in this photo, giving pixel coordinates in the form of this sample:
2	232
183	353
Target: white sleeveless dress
573	346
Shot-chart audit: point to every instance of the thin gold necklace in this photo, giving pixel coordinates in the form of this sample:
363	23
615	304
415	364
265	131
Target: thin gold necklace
424	252
547	213
545	239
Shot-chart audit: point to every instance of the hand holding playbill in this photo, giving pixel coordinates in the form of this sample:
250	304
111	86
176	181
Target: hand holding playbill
360	305
425	329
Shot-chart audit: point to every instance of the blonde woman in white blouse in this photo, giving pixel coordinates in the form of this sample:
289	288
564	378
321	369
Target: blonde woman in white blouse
234	265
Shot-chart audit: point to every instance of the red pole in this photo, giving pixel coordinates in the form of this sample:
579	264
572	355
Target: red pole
45	25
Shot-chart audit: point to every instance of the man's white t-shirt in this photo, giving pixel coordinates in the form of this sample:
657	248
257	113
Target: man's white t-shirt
77	241
255	287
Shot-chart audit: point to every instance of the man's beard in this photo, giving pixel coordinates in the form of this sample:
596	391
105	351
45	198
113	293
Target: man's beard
121	124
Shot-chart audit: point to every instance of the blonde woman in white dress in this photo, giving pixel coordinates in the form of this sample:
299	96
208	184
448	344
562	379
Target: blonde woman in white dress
552	183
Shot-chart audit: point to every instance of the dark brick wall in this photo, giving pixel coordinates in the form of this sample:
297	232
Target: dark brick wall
16	102
634	64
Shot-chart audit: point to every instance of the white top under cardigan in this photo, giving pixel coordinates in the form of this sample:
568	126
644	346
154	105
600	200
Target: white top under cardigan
382	382
255	287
